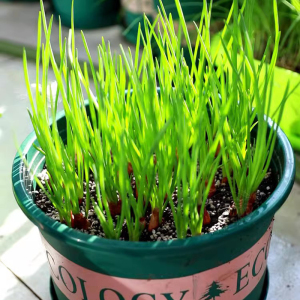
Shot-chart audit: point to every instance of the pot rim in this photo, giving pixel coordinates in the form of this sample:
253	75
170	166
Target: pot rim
79	239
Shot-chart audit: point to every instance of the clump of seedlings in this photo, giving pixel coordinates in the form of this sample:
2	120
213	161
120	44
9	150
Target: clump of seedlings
147	141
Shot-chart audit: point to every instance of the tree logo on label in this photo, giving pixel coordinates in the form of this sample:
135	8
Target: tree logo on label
213	291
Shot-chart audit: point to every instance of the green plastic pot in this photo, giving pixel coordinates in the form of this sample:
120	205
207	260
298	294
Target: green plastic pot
132	21
135	9
19	0
290	122
291	117
88	14
191	8
117	268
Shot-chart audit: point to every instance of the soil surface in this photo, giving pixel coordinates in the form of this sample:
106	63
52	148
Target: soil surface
218	207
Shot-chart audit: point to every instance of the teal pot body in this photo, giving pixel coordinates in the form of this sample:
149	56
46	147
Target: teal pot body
290	122
134	11
88	14
227	264
192	9
132	20
19	0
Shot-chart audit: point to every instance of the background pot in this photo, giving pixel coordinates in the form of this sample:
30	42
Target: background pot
291	119
135	9
87	13
133	12
19	0
228	263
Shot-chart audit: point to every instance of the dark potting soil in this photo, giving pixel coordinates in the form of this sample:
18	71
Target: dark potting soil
219	207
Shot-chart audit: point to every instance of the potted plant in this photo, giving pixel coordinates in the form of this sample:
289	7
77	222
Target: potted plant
88	14
163	183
